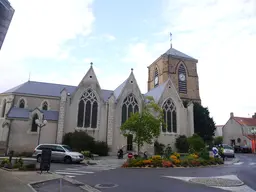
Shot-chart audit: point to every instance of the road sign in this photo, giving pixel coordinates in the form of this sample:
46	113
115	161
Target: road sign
130	155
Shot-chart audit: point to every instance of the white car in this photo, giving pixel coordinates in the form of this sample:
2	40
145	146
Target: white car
228	151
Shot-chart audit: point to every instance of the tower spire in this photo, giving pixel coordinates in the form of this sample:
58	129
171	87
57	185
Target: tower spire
170	39
29	76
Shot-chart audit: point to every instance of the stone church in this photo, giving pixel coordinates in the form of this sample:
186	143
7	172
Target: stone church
25	108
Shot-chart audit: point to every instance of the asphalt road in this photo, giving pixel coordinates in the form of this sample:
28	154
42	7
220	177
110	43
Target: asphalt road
153	180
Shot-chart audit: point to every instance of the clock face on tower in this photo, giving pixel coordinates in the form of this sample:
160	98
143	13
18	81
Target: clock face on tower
156	80
182	77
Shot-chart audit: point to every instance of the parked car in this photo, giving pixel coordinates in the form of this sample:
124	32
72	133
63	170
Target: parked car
243	149
228	151
59	153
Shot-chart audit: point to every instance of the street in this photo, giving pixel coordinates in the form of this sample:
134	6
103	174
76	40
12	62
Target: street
153	180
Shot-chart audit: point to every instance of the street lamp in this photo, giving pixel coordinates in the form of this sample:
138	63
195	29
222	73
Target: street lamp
253	131
40	124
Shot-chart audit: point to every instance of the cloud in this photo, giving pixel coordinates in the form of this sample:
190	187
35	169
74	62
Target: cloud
109	37
40	30
222	35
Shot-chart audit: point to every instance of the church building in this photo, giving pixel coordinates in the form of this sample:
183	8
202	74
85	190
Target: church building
40	112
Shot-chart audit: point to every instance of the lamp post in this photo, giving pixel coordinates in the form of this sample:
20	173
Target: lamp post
40	124
253	131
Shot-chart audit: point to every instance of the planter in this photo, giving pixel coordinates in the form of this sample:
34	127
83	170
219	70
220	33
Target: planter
26	161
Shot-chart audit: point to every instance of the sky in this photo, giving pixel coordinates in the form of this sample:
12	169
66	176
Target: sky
55	41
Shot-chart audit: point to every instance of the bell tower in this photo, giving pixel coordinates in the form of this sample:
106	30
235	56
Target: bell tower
181	68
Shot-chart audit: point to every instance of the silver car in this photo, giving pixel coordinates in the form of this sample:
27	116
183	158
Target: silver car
228	151
59	153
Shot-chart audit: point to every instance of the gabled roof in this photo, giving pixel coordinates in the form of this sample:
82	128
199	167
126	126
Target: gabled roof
157	91
175	53
245	121
16	112
48	89
119	89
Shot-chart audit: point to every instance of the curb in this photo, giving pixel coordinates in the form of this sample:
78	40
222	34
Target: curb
171	167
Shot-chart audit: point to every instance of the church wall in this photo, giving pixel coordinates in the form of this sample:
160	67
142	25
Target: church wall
22	140
72	110
182	126
119	139
33	102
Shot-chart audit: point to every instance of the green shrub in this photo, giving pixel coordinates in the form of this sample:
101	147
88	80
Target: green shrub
4	162
182	144
218	140
159	148
204	154
86	154
196	143
100	148
81	141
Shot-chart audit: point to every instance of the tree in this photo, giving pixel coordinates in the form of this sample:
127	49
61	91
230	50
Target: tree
144	125
204	125
218	140
182	144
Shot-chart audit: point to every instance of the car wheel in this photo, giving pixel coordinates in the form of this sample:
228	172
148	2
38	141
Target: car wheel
67	160
39	158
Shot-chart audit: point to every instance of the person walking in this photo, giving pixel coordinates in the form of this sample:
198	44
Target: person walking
221	152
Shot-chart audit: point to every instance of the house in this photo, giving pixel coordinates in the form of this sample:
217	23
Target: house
238	131
218	131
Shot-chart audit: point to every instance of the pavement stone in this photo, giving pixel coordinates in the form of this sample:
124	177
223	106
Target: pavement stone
220	182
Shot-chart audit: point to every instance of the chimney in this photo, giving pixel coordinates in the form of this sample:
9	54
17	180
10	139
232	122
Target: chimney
254	116
231	115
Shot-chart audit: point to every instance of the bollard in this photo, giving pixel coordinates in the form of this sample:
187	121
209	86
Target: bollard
60	184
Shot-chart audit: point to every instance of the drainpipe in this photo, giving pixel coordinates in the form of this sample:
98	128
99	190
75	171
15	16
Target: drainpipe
8	138
107	122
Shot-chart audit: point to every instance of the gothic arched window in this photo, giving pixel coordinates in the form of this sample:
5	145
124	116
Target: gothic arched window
156	78
170	117
130	105
34	125
3	108
87	110
45	106
182	76
22	103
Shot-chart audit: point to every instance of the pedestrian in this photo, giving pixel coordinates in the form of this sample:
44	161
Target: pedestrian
221	151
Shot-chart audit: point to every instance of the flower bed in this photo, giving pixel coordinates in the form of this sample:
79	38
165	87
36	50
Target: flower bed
175	160
17	165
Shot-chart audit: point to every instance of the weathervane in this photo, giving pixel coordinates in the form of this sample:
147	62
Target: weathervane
171	39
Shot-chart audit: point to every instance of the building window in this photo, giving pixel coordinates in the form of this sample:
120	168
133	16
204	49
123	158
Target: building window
130	106
170	117
182	76
87	110
156	78
45	106
34	125
3	108
22	103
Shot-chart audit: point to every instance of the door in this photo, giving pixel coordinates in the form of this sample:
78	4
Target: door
59	153
129	142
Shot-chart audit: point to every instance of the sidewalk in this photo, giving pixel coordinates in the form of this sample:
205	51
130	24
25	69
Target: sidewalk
18	181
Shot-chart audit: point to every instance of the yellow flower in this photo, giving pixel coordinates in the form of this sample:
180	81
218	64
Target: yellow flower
176	154
156	157
173	157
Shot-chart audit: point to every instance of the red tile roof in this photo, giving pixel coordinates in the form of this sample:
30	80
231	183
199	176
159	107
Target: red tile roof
245	121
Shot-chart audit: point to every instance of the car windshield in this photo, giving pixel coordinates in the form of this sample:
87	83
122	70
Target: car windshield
67	148
227	147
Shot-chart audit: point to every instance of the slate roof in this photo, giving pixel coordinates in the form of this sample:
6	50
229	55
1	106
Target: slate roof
245	121
16	112
175	53
119	89
48	89
157	91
